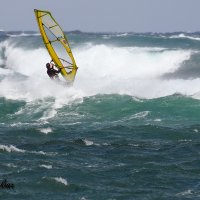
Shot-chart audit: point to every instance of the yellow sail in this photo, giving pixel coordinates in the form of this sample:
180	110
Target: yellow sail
56	44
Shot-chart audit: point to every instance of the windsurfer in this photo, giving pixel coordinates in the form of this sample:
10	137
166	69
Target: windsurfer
51	71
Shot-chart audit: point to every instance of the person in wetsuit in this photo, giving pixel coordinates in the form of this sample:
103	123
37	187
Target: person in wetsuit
53	73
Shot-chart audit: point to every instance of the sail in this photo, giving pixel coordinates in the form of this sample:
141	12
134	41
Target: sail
56	44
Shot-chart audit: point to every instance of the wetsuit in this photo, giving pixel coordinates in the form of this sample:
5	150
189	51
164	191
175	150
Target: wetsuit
53	73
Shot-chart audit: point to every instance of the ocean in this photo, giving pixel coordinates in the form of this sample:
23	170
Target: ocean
128	128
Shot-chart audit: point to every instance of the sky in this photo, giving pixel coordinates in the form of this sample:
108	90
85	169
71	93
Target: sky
104	15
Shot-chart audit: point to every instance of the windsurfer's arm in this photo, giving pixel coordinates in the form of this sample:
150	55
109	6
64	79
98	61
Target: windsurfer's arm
57	70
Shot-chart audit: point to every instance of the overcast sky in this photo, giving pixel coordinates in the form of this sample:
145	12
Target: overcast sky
105	15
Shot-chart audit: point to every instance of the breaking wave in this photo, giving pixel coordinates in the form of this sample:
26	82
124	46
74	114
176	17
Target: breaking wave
103	69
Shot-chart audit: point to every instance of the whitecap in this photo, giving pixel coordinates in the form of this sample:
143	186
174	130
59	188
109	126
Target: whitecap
137	99
11	165
88	142
185	36
184	193
11	148
157	120
139	115
23	34
196	130
46	166
131	71
61	180
46	130
43	153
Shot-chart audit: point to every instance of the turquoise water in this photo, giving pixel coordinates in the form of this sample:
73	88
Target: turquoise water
127	129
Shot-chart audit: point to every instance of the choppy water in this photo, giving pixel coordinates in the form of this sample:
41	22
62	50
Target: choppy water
128	128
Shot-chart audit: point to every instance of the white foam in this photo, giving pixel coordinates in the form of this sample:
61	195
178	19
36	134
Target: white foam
88	142
133	71
182	35
102	70
139	115
107	36
24	34
11	148
185	193
61	180
4	71
43	153
11	165
46	130
157	120
137	99
196	130
113	63
46	166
